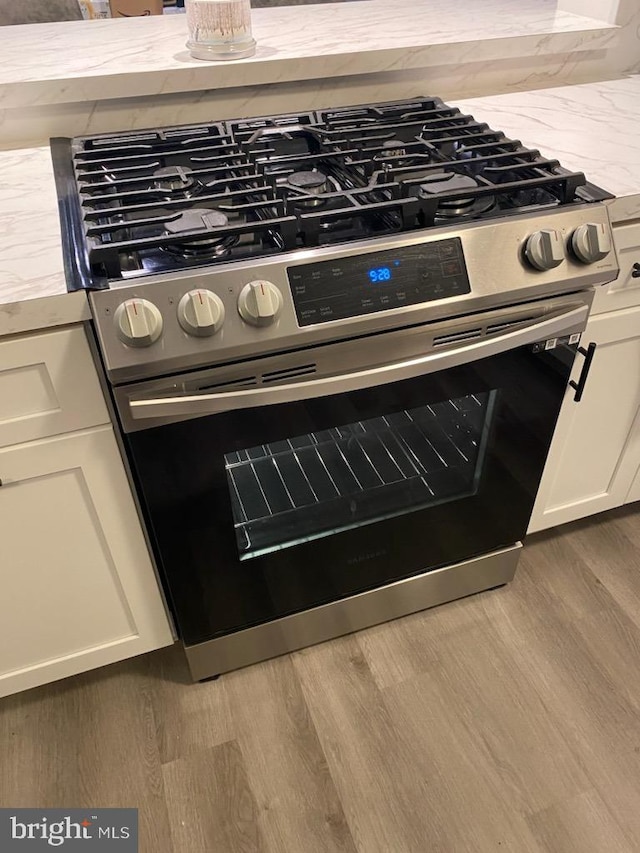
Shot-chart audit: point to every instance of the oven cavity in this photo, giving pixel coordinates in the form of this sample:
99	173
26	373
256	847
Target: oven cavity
316	485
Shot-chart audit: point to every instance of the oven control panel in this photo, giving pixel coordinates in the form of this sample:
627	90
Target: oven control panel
158	325
363	284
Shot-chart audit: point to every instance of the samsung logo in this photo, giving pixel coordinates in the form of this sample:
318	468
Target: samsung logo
363	558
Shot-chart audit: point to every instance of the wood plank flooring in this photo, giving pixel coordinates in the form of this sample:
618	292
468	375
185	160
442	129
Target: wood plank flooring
506	721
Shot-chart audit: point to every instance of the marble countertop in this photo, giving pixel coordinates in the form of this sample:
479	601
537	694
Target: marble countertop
32	283
593	128
79	61
30	254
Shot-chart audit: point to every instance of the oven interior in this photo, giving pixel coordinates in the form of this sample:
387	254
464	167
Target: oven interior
308	486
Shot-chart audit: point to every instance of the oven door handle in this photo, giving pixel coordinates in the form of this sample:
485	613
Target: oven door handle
174	405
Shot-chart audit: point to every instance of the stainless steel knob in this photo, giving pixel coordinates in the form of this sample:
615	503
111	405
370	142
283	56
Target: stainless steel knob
545	250
591	242
201	313
138	322
259	303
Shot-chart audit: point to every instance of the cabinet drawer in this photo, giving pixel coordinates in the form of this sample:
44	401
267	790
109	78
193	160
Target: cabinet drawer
48	385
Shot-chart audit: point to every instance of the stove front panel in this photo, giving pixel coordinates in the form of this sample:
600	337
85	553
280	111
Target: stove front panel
493	254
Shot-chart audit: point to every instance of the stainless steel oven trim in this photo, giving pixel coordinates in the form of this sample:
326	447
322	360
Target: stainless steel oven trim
168	407
346	615
493	254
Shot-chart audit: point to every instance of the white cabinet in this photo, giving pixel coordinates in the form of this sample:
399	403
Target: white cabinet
78	588
48	385
624	292
634	492
595	453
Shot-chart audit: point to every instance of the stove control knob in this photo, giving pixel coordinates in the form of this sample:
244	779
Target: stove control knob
138	322
544	250
200	313
591	242
259	303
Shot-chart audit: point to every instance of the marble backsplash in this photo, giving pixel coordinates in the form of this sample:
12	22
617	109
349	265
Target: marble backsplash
398	60
34	125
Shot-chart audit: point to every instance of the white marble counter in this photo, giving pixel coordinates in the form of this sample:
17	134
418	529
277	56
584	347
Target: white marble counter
87	61
593	128
32	283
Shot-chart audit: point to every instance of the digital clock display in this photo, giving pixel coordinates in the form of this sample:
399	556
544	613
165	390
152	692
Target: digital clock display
325	291
380	274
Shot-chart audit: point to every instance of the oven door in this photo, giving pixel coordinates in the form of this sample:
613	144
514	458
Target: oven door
299	479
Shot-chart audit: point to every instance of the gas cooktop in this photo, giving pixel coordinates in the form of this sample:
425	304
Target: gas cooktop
142	203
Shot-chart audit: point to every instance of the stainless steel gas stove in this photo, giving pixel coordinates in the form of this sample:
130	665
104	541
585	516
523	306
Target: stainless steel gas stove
337	344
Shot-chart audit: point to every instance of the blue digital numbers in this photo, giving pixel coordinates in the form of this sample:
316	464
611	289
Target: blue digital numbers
379	274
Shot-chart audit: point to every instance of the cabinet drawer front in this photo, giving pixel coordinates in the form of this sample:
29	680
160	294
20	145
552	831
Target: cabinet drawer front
48	385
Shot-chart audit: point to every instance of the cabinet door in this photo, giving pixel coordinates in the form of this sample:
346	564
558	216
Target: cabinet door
634	492
595	451
48	386
78	586
624	292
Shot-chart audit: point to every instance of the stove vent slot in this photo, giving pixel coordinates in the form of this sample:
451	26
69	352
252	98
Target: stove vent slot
238	382
457	337
288	373
502	327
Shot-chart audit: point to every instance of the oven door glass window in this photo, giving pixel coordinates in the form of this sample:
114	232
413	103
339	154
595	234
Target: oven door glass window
262	512
292	491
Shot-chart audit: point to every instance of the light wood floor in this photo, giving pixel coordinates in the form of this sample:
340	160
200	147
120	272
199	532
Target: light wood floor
507	721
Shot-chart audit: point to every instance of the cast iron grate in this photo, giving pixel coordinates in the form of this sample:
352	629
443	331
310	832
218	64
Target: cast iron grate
150	201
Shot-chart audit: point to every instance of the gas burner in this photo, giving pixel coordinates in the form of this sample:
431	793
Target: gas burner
309	183
200	219
294	181
392	148
441	183
438	183
174	179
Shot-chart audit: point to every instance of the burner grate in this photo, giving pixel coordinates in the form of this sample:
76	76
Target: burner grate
372	163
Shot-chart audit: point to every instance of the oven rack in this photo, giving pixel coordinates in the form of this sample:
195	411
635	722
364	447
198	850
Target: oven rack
329	480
